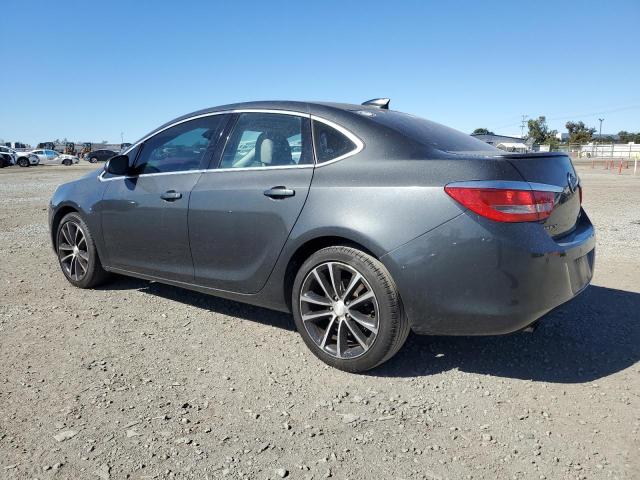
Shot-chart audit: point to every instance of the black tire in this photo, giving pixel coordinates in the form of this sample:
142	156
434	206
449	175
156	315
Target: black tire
93	160
94	274
23	162
66	162
392	325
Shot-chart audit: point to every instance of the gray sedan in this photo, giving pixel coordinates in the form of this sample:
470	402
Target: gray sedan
363	222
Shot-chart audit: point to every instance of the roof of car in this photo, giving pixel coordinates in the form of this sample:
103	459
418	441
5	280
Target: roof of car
315	108
286	105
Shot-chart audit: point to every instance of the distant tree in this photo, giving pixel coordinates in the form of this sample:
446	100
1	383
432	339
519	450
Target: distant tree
482	131
579	133
105	141
626	137
539	132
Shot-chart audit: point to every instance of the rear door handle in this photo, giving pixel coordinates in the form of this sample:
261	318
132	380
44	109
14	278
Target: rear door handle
171	196
279	192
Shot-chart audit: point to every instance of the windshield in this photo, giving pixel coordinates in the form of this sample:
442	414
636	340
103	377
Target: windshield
433	134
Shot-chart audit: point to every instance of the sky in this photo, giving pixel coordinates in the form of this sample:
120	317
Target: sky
93	71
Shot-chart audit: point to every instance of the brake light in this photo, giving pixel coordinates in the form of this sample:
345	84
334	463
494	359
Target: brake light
505	205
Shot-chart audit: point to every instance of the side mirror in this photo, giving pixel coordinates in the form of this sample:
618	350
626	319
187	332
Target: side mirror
118	165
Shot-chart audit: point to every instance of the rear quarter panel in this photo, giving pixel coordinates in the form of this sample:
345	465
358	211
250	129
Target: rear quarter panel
381	198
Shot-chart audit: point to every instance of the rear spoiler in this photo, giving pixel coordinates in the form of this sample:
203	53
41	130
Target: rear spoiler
532	155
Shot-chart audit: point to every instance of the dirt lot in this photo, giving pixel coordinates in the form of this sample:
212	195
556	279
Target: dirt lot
140	380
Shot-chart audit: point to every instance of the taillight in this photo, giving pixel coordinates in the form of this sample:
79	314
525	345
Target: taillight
505	205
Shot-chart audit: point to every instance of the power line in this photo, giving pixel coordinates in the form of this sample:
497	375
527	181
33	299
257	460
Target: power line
571	117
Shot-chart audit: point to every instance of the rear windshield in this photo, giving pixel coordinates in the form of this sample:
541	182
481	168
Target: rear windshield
433	134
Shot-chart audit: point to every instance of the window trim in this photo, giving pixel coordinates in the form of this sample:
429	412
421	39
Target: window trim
359	144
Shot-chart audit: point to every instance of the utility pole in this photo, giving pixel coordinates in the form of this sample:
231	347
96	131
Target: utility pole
522	125
600	133
121	137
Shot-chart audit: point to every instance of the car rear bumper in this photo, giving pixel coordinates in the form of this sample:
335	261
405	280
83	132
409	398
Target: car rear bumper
473	276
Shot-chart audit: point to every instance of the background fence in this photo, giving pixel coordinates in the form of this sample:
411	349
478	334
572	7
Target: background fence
611	150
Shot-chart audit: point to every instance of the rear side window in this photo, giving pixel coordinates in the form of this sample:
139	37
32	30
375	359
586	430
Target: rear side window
433	134
330	143
262	140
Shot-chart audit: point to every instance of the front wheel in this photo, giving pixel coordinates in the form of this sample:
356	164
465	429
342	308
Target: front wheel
77	253
23	162
93	160
66	162
347	309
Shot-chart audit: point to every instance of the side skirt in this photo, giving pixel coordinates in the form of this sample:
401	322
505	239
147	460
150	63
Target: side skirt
252	299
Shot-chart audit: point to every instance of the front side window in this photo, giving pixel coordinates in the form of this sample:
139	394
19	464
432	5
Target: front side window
268	140
330	143
182	147
51	153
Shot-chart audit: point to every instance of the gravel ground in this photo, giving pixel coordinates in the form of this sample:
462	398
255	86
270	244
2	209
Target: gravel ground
140	380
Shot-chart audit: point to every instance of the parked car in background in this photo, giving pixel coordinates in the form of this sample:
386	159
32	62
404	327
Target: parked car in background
51	157
380	223
8	157
25	159
100	155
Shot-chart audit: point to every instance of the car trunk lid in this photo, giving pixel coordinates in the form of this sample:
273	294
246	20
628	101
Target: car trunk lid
555	169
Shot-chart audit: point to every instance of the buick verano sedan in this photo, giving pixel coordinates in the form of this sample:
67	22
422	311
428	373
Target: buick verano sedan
363	222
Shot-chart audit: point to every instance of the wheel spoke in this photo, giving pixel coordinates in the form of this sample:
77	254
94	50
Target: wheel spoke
65	234
336	293
354	280
363	320
327	332
314	316
312	297
357	334
83	256
82	240
74	267
64	259
361	299
65	246
320	280
83	264
342	340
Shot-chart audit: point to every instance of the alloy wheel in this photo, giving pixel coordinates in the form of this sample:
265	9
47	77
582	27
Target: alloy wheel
339	310
72	251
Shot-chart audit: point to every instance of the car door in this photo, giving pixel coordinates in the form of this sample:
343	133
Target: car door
51	157
42	158
144	215
242	211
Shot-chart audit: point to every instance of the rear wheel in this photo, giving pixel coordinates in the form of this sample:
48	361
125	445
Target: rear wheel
347	309
93	160
23	162
66	162
77	253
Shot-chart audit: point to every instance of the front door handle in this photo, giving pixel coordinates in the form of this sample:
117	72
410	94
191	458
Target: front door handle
171	196
279	192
